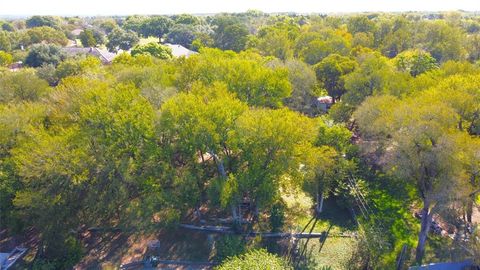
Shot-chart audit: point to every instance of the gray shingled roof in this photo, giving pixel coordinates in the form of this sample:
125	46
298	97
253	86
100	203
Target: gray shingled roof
179	50
105	56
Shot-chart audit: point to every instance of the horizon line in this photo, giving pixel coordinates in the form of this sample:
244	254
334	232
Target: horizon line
230	12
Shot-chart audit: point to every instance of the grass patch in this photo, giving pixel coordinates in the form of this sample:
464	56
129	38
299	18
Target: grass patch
332	214
337	249
335	252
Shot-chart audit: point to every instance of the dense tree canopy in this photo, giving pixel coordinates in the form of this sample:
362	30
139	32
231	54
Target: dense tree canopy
44	54
273	121
153	49
120	39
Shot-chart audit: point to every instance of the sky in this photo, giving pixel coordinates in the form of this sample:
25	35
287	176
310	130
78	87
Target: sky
126	7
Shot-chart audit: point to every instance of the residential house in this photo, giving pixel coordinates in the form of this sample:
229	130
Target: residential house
105	56
179	50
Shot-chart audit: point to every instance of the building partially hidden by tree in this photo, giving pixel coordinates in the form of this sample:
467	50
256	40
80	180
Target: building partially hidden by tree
105	56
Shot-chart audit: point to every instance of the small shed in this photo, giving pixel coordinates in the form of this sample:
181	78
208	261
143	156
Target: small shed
323	103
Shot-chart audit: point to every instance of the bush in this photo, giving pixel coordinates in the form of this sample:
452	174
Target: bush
255	260
23	85
70	254
229	246
5	59
277	217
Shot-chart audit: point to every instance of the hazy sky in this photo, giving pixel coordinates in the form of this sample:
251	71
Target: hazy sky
122	7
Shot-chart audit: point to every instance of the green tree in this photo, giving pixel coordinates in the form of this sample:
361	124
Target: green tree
360	24
108	25
120	39
5	59
153	49
156	26
277	40
182	34
20	86
304	85
443	41
45	34
230	34
313	47
87	38
96	148
15	121
5	43
186	19
91	38
420	143
76	67
415	62
37	21
331	71
44	54
245	74
374	75
6	26
196	126
473	46
272	144
395	36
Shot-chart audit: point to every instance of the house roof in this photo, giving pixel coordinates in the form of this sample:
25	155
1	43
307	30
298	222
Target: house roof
105	56
178	50
444	266
325	99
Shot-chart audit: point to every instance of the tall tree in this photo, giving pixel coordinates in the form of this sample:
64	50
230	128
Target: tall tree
120	39
156	26
230	34
330	72
421	144
44	54
245	74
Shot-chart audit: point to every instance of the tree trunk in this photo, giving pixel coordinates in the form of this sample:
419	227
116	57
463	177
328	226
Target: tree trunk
424	229
220	166
469	210
223	174
319	207
235	216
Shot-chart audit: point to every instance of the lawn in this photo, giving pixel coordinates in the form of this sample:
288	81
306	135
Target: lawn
340	242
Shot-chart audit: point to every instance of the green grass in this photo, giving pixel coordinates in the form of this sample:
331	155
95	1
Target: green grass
332	214
337	250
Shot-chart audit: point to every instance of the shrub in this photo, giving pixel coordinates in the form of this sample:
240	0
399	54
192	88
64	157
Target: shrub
5	59
255	260
229	246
